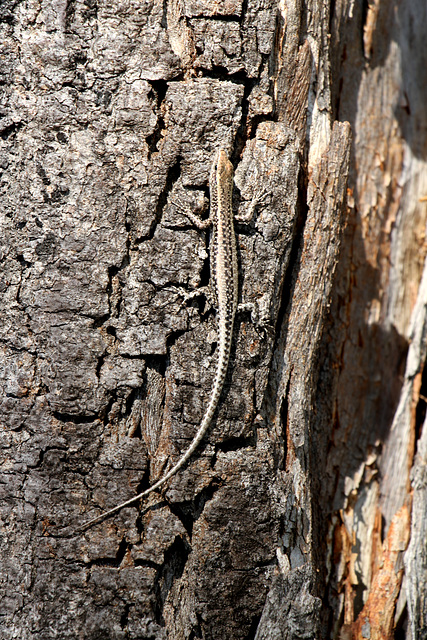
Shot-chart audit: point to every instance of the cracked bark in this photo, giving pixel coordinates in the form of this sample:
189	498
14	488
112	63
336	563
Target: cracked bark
293	518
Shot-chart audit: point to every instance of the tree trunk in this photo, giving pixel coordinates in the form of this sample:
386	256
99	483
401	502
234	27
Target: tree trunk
296	516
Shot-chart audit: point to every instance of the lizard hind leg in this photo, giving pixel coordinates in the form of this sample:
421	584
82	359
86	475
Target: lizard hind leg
188	296
209	294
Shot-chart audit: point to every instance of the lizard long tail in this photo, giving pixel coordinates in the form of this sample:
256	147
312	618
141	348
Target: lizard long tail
221	372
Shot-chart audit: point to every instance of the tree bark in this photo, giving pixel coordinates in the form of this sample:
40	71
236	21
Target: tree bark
302	513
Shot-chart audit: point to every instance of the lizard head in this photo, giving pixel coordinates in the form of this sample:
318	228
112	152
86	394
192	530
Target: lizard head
224	168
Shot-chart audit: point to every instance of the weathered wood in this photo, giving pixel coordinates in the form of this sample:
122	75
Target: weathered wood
379	409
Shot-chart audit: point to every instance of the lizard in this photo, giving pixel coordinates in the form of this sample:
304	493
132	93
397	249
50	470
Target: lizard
224	277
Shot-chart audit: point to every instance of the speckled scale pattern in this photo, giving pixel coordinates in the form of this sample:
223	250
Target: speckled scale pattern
224	273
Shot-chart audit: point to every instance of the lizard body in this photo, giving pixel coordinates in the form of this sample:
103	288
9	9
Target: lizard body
224	273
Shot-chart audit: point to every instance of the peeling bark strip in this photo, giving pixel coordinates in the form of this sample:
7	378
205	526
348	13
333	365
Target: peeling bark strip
110	113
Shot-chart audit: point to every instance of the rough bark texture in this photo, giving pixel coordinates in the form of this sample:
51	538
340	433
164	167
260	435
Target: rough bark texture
292	519
381	399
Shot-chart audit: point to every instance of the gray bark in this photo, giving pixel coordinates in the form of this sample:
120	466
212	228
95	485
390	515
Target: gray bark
110	116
